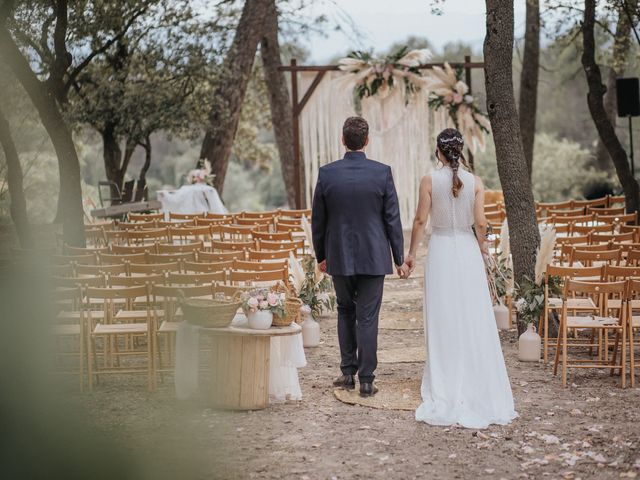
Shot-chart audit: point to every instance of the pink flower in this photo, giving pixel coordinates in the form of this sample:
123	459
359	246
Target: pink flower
260	297
457	98
264	305
252	302
272	299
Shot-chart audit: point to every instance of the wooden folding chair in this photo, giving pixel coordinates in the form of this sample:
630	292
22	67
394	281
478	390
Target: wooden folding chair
616	200
259	215
118	338
220	216
147	268
86	259
265	223
289	227
574	212
587	229
260	278
619	219
113	258
297	245
73	251
190	235
288	215
596	202
171	257
177	223
612	211
598	322
567	249
230	246
221	256
573	219
272	237
633	324
152	225
185	216
236	233
252	266
617	238
109	269
555	303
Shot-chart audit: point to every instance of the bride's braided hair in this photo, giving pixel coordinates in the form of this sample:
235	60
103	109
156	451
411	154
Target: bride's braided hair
450	144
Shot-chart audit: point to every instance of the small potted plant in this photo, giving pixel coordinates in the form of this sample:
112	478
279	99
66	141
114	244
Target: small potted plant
260	306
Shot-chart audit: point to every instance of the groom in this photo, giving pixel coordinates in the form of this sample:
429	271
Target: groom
356	229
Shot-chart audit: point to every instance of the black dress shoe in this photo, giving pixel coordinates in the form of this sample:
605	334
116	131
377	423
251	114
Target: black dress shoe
368	389
348	382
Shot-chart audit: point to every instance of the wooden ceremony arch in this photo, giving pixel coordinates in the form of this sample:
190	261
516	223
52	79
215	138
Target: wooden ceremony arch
298	105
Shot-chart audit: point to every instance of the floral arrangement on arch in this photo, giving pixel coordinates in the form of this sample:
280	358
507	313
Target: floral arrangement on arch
379	76
261	300
529	294
201	175
450	92
313	287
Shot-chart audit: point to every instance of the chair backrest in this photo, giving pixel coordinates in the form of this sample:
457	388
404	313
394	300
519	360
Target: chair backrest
607	238
85	259
567	249
191	234
180	247
571	218
109	269
596	202
228	291
175	292
69	250
145	217
239	276
267	245
294	214
614	272
185	216
171	257
633	257
575	240
615	200
587	258
626	218
111	258
116	293
590	273
587	229
289	227
606	211
230	246
147	268
254	222
235	233
253	266
133	249
220	256
176	223
271	214
262	255
574	212
115	237
214	221
196	278
633	289
546	206
130	281
219	216
80	281
272	237
149	225
95	236
208	266
147	236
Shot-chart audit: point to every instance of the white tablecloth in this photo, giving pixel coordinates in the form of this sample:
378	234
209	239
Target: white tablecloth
287	355
196	198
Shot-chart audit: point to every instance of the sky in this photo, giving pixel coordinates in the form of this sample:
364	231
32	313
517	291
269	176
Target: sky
384	22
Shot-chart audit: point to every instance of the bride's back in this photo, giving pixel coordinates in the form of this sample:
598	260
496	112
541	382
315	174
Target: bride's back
449	212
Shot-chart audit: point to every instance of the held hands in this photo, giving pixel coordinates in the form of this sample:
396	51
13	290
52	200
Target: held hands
407	267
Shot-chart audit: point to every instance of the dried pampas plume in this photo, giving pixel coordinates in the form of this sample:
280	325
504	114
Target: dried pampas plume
297	273
505	242
306	226
545	253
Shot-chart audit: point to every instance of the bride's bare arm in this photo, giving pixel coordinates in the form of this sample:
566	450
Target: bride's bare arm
420	220
480	221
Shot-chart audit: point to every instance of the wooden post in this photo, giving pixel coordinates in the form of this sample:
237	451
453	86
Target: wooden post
296	134
467	71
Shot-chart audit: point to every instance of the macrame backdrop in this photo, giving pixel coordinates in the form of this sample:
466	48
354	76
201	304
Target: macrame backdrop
402	135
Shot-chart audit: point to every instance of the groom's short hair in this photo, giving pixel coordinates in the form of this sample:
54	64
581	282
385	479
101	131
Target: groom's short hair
355	132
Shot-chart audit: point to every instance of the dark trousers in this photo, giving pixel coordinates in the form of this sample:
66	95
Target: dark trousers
359	298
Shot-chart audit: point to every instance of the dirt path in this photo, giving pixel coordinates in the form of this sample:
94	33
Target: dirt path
590	430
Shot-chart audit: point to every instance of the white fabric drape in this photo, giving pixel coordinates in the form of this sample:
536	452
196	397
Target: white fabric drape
401	133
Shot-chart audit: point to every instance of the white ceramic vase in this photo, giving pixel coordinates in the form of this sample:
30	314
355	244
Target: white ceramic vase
529	345
260	320
501	313
310	328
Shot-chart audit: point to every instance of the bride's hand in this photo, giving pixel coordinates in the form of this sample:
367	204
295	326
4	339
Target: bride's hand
410	262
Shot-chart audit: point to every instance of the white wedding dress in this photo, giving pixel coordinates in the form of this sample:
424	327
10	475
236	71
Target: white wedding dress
465	380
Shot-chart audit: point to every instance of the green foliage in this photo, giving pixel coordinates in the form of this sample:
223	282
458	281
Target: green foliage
317	287
530	298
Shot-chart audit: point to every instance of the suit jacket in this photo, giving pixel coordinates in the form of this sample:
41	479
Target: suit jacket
356	218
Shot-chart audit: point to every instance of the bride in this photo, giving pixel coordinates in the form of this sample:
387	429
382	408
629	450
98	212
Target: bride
465	380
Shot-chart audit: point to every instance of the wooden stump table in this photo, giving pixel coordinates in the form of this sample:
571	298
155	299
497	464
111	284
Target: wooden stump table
239	363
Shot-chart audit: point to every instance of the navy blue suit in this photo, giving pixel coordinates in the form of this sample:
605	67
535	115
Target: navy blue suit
357	229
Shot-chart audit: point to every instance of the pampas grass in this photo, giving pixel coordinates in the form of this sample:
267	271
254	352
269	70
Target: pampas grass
297	273
505	242
545	253
306	226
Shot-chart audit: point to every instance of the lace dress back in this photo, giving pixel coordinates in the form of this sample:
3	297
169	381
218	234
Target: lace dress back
448	213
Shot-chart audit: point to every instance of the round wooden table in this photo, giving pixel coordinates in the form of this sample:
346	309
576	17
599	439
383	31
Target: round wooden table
239	364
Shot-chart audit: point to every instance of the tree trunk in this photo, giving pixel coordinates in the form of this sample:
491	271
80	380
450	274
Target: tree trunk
280	102
529	81
112	156
603	124
70	197
147	159
18	207
621	43
512	166
231	88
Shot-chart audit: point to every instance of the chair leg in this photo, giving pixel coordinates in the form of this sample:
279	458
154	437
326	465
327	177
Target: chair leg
81	356
623	359
615	353
90	359
545	347
564	356
632	360
557	353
